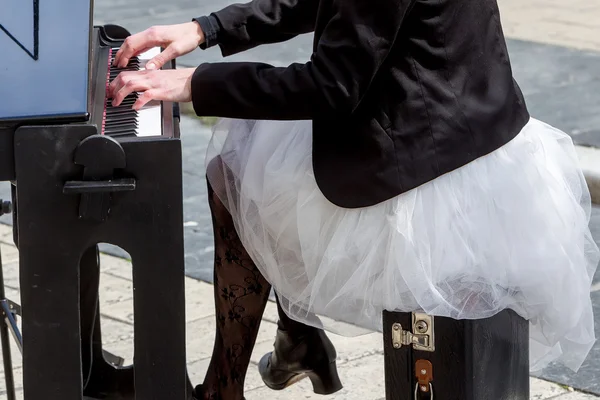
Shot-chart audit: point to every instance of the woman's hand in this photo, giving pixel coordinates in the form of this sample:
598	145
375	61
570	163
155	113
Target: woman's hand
167	85
177	40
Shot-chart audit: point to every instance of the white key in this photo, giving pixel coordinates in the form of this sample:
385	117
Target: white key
147	56
150	116
149	121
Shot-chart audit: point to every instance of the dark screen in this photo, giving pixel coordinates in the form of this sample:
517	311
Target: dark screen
44	47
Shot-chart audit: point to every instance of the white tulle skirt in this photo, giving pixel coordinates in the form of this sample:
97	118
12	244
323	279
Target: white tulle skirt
507	231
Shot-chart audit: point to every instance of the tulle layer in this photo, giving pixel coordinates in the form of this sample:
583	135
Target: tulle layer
507	231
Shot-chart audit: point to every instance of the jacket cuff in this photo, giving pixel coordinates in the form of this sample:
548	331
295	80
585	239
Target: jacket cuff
198	91
210	27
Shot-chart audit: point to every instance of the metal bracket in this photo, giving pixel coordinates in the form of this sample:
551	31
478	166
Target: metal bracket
429	391
421	336
100	156
10	310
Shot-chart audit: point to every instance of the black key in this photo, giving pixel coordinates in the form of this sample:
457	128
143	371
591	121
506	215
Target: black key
121	117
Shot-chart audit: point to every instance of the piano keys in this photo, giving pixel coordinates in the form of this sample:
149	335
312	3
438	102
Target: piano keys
155	119
123	120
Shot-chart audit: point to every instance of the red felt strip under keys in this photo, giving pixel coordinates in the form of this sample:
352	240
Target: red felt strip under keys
106	91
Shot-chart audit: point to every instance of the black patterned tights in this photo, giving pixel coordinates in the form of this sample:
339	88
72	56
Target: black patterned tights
241	294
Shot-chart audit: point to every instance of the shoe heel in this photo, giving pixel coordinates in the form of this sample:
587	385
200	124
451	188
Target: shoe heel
325	380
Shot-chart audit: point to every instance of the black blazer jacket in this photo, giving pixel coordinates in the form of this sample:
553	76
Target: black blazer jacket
399	91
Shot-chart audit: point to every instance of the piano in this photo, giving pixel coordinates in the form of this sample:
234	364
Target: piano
82	172
155	119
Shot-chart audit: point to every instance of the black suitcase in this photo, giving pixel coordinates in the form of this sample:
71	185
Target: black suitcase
446	359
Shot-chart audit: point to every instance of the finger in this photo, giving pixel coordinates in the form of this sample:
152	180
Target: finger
121	80
124	53
161	59
127	54
117	83
136	44
132	46
144	98
124	61
137	84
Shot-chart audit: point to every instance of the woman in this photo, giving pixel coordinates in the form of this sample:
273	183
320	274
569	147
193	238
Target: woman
398	169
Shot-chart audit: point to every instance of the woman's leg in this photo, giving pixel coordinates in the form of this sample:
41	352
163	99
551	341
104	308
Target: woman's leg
241	294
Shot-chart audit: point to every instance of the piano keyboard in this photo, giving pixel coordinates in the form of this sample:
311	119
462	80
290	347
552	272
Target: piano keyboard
123	121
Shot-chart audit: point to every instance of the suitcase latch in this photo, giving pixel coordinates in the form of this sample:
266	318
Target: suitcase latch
421	337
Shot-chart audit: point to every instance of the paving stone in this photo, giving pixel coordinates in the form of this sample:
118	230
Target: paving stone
13	294
6	232
114	331
541	389
201	335
19	394
576	396
115	266
199	299
18	377
9	253
271	313
10	273
199	303
553	21
113	289
17	362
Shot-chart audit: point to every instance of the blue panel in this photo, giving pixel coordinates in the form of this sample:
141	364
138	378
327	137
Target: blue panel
44	51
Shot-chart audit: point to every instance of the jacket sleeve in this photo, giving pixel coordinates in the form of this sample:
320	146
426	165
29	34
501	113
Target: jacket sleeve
355	42
240	27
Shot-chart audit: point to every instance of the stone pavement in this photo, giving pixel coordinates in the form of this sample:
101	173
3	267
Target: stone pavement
360	359
572	23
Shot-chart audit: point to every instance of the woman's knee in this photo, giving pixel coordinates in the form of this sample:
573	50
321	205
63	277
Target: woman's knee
215	168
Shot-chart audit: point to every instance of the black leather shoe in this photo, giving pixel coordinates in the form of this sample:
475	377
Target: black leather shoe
297	356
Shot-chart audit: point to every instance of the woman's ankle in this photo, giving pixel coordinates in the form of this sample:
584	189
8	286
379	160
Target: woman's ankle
223	381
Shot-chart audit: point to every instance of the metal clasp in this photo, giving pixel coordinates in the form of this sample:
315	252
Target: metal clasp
430	391
422	335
